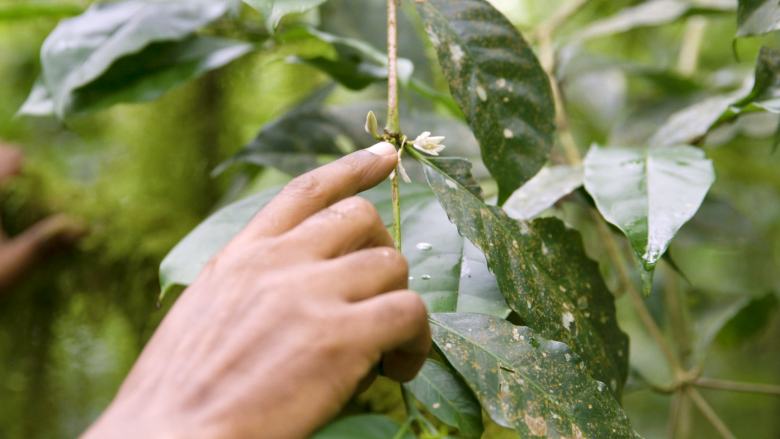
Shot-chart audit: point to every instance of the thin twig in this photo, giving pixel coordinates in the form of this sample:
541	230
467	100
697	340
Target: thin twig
547	59
393	123
553	23
688	60
674	414
674	305
644	314
396	196
710	414
711	383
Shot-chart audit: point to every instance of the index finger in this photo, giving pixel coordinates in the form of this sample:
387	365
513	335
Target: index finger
319	189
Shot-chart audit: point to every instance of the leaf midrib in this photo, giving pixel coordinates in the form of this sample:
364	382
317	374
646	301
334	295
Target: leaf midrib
449	401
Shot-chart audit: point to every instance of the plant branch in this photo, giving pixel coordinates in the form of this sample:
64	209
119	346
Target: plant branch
547	59
393	126
674	304
688	60
553	23
674	414
710	414
644	314
396	197
711	383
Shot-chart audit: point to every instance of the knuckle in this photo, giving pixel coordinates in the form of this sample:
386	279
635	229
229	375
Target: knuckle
357	206
396	260
305	186
410	306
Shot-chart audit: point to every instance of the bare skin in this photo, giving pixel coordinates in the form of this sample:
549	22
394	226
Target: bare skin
20	255
285	324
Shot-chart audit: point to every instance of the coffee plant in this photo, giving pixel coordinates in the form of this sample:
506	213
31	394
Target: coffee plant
524	321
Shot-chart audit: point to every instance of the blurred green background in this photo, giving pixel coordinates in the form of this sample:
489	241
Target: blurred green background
139	177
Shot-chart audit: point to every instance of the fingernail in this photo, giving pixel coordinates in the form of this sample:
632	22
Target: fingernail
382	148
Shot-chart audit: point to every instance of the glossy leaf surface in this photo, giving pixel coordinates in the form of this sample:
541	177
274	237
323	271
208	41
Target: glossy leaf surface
81	49
337	17
757	17
541	192
159	68
39	101
448	398
499	84
535	386
301	139
542	271
274	10
363	427
648	193
691	124
651	13
183	264
296	142
358	64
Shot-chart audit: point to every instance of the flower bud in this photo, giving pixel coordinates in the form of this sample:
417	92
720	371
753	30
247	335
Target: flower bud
371	125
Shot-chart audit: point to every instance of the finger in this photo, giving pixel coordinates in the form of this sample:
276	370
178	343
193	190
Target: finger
364	274
318	189
347	226
366	382
397	325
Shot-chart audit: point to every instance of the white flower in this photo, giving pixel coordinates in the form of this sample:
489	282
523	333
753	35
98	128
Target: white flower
429	145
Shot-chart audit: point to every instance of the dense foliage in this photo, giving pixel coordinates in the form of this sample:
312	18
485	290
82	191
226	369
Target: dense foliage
501	239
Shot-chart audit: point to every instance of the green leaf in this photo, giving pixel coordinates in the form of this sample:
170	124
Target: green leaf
39	102
339	17
757	17
444	268
298	141
497	81
648	193
535	386
448	398
542	271
159	68
82	49
651	13
541	192
309	134
183	264
693	123
750	320
31	11
364	427
274	10
457	274
358	64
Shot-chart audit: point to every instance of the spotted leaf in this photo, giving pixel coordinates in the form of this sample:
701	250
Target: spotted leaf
499	84
535	386
448	398
542	271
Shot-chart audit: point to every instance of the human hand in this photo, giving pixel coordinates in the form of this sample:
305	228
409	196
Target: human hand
11	160
284	324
